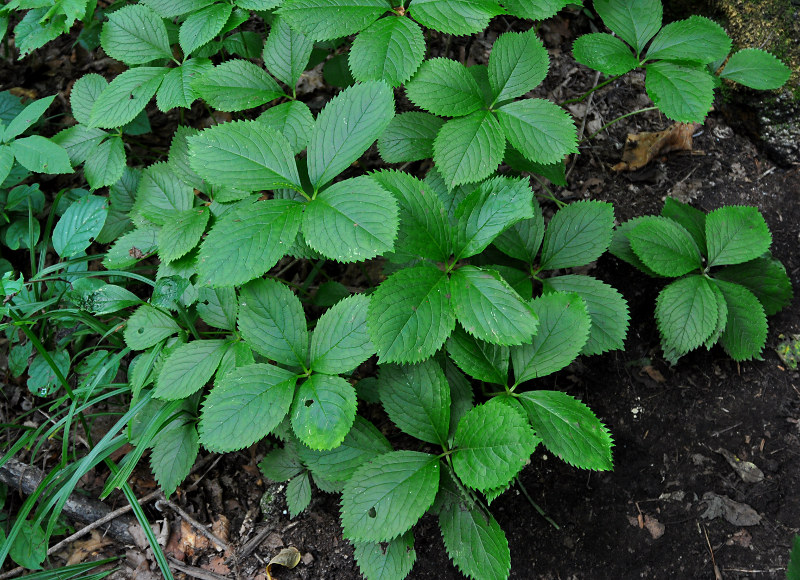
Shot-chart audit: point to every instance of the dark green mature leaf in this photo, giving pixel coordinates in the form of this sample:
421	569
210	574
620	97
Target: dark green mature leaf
444	87
736	234
523	239
29	548
746	330
517	64
329	19
481	360
683	92
664	246
160	195
766	278
40	155
577	235
293	120
569	429
79	225
564	325
248	241
174	8
203	26
346	127
42	379
493	442
686	314
236	85
417	400
457	17
535	9
756	69
489	309
621	246
148	326
218	307
605	53
409	137
390	49
635	22
26	118
469	149
690	218
695	39
7	159
323	411
188	368
340	341
286	52
282	463
410	315
126	96
352	220
183	234
272	321
387	496
475	543
177	88
79	141
135	35
392	561
174	452
246	405
105	166
539	129
245	155
132	247
722	322
298	494
793	568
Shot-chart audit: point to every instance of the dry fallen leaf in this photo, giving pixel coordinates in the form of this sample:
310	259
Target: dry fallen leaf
746	470
81	550
738	514
641	148
288	557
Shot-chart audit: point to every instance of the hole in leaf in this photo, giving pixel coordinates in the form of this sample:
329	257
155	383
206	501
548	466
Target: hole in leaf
140	331
309	402
372	513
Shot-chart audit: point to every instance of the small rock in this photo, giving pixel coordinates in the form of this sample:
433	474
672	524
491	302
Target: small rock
307	558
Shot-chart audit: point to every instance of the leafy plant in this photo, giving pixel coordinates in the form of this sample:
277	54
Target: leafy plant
728	283
793	569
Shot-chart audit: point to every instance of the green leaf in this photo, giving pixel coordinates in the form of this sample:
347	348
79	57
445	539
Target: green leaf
457	17
244	43
218	307
424	228
175	8
106	163
476	543
79	225
564	325
569	429
26	118
577	235
29	548
793	568
282	463
148	326
161	194
177	88
236	85
541	130
246	405
409	137
410	315
392	561
174	452
664	246
189	368
329	19
417	400
605	53
126	96
346	127
83	95
696	39
634	22
621	245
493	443
481	360
736	234
323	411
686	314
340	341
272	321
132	247
489	309
108	298
444	87
135	35
469	149
722	321
535	9
203	26
690	218
390	49
352	220
286	52
756	69
746	330
298	494
683	92
293	120
605	306
40	155
387	496
42	379
517	64
6	161
766	278
183	233
79	141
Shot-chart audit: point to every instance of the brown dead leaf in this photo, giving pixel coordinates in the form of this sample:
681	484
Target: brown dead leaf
82	550
741	538
191	541
221	527
654	373
23	92
288	558
217	565
642	148
174	546
655	527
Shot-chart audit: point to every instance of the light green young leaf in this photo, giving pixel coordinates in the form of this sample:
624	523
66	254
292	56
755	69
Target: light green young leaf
6	161
188	368
174	452
564	325
340	341
323	411
246	405
664	246
79	225
476	545
236	85
469	149
756	69
386	562
746	330
105	165
272	321
293	120
493	442
390	49
683	92
481	360
535	9
736	234
79	141
40	155
690	218
387	496
135	35
160	195
577	235
203	26
352	220
605	53
298	494
126	96
696	39
444	87
635	22
409	137
132	247
346	127
329	19
569	429
766	278
410	314
183	233
417	400
539	129
29	115
176	89
457	17
517	64
83	95
286	52
686	314
148	326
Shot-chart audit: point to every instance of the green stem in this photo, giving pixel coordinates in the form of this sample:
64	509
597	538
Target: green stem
535	505
590	91
607	125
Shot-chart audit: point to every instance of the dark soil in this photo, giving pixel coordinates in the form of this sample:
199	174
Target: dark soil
646	518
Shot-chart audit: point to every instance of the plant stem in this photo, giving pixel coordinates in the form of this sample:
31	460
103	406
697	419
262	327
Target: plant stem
607	125
535	505
590	91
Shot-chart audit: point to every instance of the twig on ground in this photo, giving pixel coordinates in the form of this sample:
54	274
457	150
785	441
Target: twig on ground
219	542
194	571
